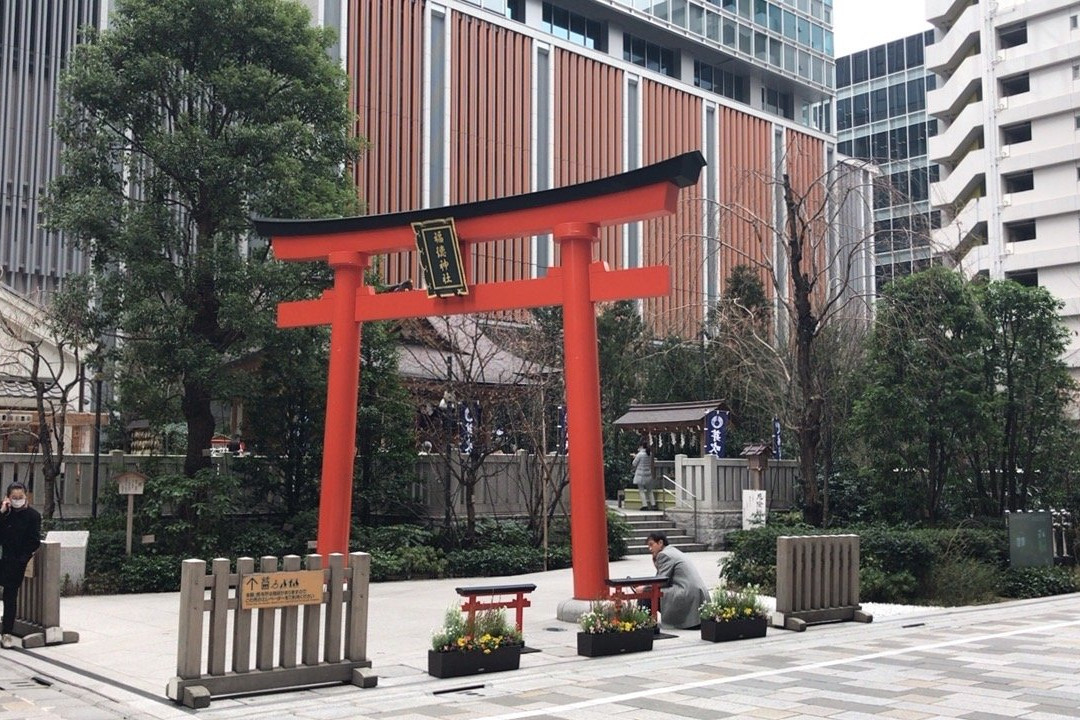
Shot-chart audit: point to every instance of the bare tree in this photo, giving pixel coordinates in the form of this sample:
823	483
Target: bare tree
486	395
813	250
43	350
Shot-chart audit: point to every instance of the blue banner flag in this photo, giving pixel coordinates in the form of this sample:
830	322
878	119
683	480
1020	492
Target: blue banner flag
468	422
776	438
716	423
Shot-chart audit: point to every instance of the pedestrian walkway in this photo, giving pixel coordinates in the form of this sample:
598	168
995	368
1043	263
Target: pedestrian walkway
1017	659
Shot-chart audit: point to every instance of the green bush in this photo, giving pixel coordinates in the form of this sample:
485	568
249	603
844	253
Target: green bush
149	573
387	537
617	533
492	533
484	562
963	582
1038	582
897	564
407	563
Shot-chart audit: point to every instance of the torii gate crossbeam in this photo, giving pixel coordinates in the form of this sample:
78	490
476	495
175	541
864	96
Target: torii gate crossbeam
573	215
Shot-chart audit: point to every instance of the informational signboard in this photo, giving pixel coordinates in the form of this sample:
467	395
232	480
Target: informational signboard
1030	540
754	509
281	589
131	483
440	257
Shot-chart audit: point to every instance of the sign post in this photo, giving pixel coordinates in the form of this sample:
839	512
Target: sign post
131	484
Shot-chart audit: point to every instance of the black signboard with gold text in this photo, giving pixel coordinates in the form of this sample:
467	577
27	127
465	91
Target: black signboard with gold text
440	256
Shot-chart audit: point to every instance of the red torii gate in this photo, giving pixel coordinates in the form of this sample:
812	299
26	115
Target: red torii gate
573	215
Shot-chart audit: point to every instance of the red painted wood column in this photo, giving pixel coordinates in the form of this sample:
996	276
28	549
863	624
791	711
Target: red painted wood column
588	512
342	391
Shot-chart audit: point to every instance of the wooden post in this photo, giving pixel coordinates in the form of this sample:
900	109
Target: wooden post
356	619
130	515
189	648
242	623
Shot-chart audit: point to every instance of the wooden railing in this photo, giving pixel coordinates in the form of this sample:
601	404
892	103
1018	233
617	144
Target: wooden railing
817	580
344	605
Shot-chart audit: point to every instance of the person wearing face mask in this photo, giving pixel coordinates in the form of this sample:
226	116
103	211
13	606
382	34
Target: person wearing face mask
20	537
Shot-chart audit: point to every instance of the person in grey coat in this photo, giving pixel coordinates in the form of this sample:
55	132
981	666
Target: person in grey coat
681	599
643	477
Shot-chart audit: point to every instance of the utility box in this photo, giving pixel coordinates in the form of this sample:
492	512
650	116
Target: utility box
1030	540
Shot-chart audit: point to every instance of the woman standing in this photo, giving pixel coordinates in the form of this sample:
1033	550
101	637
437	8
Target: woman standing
20	537
643	476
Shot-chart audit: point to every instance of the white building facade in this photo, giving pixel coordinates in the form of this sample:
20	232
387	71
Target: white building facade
1008	106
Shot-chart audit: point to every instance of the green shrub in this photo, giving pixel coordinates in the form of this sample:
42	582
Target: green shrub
508	533
387	537
486	562
963	582
879	585
407	563
1038	582
149	573
617	533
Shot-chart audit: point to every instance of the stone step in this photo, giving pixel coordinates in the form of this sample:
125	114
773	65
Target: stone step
687	546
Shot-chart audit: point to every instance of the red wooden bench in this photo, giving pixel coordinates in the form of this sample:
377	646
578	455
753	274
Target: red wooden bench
519	602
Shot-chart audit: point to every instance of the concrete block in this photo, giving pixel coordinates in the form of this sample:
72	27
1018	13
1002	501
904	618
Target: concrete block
196	696
72	554
364	678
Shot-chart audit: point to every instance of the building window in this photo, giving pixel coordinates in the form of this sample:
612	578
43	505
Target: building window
1015	85
1018	133
1010	36
843	72
1073	19
711	78
650	55
1027	278
1076	122
1020	231
1019	182
578	29
778	103
1076	72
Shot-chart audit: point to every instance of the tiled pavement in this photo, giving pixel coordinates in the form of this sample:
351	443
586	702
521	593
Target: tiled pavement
1013	660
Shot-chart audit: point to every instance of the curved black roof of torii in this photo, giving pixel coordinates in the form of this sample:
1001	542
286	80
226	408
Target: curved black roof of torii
681	170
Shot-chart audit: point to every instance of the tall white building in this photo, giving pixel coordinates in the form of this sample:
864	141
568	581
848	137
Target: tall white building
1008	105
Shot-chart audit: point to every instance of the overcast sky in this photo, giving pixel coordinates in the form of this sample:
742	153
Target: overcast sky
859	24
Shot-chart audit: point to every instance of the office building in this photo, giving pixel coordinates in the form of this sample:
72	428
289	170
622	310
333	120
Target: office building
1008	109
467	100
881	118
36	37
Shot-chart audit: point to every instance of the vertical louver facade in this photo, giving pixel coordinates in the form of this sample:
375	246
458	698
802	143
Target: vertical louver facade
36	37
463	100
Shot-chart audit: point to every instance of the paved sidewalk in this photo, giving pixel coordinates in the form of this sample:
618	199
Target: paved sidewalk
1018	659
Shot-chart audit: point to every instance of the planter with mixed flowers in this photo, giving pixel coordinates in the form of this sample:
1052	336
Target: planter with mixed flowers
733	615
607	629
488	644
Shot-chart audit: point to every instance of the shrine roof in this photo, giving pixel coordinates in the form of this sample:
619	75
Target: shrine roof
681	171
668	417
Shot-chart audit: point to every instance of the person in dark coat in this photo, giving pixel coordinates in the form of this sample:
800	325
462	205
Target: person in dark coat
20	537
686	590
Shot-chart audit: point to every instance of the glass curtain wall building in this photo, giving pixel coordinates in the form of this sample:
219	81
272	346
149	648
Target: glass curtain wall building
881	117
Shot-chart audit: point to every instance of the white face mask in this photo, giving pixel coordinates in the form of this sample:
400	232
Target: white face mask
18	504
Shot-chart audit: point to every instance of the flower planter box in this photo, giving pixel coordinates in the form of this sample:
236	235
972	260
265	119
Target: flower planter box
473	662
614	643
738	629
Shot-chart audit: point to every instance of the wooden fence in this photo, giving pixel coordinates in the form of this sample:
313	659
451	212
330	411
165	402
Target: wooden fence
817	580
38	618
340	619
717	483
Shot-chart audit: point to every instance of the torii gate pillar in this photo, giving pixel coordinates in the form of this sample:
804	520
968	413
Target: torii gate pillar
588	511
573	215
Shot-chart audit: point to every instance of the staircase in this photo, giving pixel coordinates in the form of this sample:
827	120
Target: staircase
643	522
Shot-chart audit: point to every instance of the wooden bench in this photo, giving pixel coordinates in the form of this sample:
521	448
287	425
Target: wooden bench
519	601
624	590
